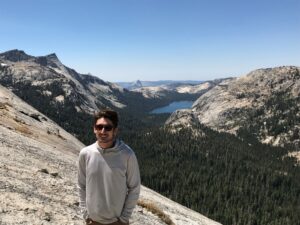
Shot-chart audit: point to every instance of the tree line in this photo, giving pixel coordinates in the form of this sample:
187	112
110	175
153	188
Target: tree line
228	179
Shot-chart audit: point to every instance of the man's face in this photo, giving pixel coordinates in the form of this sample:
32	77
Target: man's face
105	132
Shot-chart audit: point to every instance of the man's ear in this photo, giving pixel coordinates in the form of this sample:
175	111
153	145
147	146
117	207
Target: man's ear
116	131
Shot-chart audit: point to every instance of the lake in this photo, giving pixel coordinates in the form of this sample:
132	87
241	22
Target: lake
173	106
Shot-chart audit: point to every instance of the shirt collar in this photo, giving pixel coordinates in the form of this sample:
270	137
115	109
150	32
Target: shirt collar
114	148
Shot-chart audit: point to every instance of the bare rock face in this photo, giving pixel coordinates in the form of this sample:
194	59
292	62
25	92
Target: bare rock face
182	117
152	92
38	174
15	56
37	166
265	102
177	213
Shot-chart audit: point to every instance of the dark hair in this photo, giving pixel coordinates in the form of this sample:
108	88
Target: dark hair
107	114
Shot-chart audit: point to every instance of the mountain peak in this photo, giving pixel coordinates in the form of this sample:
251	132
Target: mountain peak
52	56
49	60
137	84
15	55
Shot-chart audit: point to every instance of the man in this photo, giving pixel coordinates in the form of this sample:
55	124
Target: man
108	175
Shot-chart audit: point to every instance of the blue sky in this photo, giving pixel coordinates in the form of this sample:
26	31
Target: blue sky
126	40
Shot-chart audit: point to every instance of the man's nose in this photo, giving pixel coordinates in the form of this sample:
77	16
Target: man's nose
103	130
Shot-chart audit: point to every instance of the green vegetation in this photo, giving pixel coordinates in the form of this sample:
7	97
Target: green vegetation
220	176
279	115
77	123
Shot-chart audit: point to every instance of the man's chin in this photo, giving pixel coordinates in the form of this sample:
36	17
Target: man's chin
104	140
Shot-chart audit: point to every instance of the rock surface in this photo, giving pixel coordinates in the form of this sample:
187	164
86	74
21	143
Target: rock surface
266	102
46	75
161	91
38	173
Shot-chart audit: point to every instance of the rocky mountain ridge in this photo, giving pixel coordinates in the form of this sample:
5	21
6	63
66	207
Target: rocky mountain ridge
142	83
161	91
38	174
43	81
47	76
264	102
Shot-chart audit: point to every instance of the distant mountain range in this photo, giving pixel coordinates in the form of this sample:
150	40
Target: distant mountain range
140	83
163	90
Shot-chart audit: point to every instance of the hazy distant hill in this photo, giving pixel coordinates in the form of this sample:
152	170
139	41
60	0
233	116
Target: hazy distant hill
139	83
265	103
163	90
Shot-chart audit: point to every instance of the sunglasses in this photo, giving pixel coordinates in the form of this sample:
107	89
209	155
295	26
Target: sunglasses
105	127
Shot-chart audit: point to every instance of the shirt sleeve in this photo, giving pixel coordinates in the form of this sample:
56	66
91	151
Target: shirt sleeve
133	184
82	184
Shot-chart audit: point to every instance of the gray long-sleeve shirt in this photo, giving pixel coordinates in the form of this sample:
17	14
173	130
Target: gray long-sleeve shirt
109	182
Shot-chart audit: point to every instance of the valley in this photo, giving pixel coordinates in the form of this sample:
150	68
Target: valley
38	170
